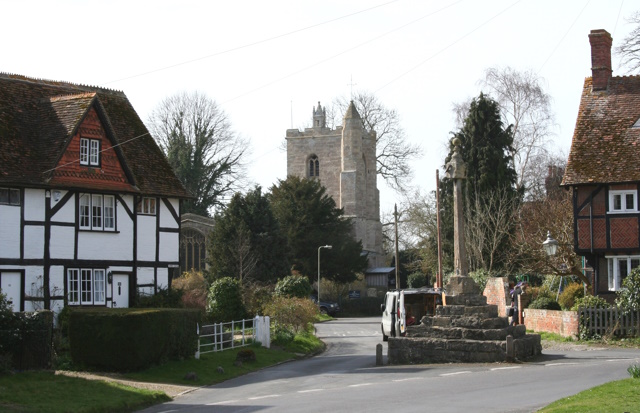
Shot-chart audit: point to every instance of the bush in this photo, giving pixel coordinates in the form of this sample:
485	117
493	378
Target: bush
293	286
164	298
416	280
194	289
256	297
541	291
246	355
589	301
225	301
629	296
570	294
480	277
292	313
634	371
131	339
545	303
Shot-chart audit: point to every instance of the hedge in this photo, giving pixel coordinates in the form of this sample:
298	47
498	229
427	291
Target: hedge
131	339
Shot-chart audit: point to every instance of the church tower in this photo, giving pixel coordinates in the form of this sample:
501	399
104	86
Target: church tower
344	159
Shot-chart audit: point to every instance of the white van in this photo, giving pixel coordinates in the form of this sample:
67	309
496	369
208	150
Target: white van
406	307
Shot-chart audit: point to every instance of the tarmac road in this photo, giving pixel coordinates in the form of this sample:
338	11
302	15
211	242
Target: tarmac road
345	379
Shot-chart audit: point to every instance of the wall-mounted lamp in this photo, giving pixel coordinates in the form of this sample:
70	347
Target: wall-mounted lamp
109	277
56	196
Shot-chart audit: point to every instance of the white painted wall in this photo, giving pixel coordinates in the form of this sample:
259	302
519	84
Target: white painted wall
34	204
34	241
9	231
67	213
169	246
62	242
146	238
163	278
166	219
145	275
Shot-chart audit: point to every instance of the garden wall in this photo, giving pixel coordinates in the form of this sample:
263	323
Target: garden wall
497	293
564	323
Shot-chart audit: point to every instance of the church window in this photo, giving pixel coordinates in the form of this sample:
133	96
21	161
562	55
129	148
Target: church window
314	166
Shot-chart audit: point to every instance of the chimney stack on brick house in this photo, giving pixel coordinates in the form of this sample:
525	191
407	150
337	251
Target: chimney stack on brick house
600	58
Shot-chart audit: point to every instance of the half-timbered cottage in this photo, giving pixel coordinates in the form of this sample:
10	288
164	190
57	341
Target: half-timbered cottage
603	171
89	206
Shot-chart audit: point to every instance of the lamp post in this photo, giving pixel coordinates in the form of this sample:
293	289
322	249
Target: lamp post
319	248
550	246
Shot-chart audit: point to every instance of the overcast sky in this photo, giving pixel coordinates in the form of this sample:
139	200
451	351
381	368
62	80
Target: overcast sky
267	63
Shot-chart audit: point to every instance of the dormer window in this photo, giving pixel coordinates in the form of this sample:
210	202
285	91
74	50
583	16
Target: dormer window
89	152
314	167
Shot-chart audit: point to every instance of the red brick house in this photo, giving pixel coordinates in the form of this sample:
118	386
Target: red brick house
603	171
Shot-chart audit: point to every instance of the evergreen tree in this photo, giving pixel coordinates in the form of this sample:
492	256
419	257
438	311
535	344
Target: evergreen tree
485	148
309	219
246	242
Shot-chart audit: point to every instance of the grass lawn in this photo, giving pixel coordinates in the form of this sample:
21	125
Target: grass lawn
41	391
619	396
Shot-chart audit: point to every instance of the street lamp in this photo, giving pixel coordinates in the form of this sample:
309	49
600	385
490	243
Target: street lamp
550	246
319	248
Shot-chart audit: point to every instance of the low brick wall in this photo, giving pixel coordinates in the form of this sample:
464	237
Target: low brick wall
564	323
497	293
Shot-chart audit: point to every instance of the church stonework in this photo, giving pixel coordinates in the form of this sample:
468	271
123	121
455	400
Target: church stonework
344	160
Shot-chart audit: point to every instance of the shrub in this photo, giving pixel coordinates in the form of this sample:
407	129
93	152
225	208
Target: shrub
164	298
541	291
570	294
255	297
416	280
291	313
634	371
629	296
293	286
246	355
480	277
545	303
225	300
590	301
194	289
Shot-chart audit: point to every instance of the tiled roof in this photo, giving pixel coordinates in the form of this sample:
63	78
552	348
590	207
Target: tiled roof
606	145
39	117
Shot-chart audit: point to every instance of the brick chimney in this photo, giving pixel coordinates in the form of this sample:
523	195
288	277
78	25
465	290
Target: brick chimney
600	58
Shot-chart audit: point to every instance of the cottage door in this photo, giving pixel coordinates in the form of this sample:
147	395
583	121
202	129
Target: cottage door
10	285
120	291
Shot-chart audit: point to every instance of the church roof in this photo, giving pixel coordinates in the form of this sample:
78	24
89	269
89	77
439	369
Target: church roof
352	112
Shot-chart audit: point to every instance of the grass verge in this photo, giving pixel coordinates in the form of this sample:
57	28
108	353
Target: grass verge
42	391
623	394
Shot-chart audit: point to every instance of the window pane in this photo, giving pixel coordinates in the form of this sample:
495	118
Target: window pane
84	151
95	150
96	211
109	212
635	262
14	196
4	195
617	202
611	273
85	287
73	287
629	200
84	211
98	286
152	206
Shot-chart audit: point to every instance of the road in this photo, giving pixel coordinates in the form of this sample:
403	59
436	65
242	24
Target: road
345	379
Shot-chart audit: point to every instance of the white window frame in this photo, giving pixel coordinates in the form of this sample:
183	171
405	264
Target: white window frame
90	152
97	212
86	286
624	205
614	275
147	206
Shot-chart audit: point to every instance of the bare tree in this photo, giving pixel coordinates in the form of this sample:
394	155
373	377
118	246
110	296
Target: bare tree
206	154
525	105
394	152
242	254
629	50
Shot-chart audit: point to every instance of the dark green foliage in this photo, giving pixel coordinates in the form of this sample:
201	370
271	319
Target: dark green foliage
164	298
629	296
293	286
246	242
255	297
225	301
544	303
416	280
25	338
246	355
570	294
485	148
131	339
309	219
590	301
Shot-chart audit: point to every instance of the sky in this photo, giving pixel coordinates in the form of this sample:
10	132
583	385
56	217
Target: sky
268	63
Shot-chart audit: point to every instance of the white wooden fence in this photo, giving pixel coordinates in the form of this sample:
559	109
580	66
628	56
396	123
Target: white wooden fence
609	321
241	333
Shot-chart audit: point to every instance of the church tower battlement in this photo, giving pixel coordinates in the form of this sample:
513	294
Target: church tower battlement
344	160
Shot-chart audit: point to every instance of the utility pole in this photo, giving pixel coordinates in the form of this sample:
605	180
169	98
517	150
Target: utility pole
439	275
395	215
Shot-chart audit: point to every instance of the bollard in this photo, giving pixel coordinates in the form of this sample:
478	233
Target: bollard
378	354
510	349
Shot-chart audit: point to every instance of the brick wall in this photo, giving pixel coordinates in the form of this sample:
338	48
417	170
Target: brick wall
497	293
564	323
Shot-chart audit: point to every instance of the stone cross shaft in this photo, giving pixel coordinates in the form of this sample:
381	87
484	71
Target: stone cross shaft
456	170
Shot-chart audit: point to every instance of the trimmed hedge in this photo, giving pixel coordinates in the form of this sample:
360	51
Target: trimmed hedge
131	339
26	339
